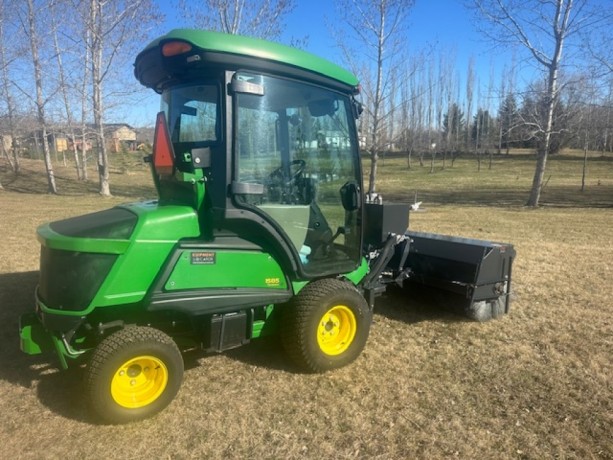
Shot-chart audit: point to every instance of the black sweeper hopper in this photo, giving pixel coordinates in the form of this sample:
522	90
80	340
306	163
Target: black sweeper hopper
478	270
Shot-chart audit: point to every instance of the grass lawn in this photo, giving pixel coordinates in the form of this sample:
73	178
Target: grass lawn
536	384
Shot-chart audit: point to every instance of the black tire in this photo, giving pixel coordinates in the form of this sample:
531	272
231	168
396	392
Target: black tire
326	325
133	374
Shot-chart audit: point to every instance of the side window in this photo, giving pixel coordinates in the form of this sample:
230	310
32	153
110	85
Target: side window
193	113
198	122
257	145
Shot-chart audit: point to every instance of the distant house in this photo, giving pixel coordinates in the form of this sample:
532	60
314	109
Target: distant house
120	137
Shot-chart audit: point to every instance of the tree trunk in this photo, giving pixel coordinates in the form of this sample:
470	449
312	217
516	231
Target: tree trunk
97	48
584	170
40	104
552	94
64	90
374	154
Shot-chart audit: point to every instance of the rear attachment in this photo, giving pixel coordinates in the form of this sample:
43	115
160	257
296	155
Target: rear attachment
480	271
477	271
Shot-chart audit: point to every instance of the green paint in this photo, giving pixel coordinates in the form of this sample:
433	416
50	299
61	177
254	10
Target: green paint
204	269
253	47
34	339
298	285
156	233
267	326
359	273
54	240
60	351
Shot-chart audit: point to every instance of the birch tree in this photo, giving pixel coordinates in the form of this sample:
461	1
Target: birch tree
113	26
470	91
542	30
375	27
8	56
64	87
32	31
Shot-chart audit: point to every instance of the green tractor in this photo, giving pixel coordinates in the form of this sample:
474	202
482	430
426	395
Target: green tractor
260	228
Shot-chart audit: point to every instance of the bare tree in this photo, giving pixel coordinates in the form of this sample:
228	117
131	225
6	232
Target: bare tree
470	88
411	108
64	88
33	35
256	18
112	25
6	87
542	29
376	26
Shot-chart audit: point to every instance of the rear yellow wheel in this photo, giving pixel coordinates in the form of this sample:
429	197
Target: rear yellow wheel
336	330
326	325
139	381
133	374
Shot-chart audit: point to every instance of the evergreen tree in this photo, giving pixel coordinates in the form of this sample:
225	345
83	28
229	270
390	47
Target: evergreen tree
453	124
510	122
482	129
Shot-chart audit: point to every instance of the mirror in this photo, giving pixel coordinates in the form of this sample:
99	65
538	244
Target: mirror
350	196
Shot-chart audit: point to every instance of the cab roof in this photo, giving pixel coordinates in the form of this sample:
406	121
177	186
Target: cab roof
239	47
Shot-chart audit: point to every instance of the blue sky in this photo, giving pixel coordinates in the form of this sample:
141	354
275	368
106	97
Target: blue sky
441	24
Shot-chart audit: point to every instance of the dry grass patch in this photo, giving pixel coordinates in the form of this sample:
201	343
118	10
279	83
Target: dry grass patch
536	384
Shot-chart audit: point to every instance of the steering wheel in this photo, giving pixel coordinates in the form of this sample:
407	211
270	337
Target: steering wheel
278	173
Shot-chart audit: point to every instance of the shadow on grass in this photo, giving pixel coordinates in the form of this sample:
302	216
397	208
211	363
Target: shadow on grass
59	391
416	303
412	305
62	391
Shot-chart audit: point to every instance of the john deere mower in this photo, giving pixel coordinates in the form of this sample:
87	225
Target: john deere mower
260	227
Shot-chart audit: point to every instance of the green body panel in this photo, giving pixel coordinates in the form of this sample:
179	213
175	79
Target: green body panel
253	47
267	326
33	337
355	277
197	269
51	239
157	231
359	273
270	324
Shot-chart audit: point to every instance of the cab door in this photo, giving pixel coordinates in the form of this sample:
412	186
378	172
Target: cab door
296	165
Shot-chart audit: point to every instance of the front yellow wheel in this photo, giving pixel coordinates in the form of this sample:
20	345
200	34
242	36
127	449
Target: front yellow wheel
132	374
139	381
336	330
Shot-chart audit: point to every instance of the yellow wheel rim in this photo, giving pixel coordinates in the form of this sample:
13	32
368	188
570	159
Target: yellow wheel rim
336	330
139	382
